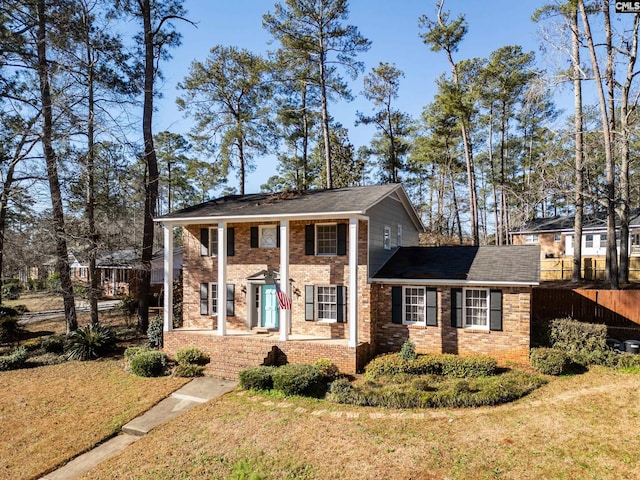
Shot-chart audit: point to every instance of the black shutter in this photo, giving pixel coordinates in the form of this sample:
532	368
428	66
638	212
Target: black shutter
309	307
309	239
456	307
432	306
231	242
254	237
396	305
495	310
231	291
204	242
278	236
342	239
204	299
341	295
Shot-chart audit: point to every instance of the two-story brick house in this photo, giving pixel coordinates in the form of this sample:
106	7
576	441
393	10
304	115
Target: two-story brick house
294	274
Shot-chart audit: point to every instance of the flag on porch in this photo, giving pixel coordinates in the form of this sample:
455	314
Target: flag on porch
284	302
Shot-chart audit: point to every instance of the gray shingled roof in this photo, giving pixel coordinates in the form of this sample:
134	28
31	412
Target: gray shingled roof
508	264
350	199
596	221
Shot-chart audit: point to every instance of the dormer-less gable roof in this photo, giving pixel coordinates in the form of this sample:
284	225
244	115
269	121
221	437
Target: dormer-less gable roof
463	265
563	223
339	202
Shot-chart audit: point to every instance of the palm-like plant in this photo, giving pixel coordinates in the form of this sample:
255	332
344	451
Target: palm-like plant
89	342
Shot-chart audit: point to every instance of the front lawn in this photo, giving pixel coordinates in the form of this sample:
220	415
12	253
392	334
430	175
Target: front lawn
574	427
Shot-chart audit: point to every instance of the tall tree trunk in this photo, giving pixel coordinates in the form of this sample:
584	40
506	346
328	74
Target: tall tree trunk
626	112
576	275
611	258
52	170
151	190
325	126
305	139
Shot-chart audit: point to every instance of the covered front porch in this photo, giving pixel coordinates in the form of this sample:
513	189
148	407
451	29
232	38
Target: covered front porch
240	349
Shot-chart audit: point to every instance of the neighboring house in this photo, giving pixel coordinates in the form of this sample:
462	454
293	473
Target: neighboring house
556	236
79	268
157	266
117	272
330	253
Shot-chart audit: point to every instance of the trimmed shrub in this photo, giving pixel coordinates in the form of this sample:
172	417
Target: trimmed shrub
131	352
257	378
16	359
408	350
585	343
550	361
154	332
628	361
149	363
191	356
467	367
386	365
188	370
89	342
328	370
298	379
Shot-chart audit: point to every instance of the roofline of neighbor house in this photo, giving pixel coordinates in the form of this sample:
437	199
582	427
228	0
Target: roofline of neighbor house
422	281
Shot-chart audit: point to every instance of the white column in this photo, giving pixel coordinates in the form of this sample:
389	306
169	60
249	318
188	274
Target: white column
353	282
285	315
222	278
168	278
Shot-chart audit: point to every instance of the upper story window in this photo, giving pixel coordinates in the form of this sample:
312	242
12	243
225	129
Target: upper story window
557	237
589	241
326	239
399	237
531	238
209	242
603	240
386	238
268	236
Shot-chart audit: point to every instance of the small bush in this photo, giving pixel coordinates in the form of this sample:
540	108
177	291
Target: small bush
16	359
298	379
467	367
150	363
128	304
442	364
408	350
550	361
48	358
154	332
585	343
53	344
89	342
11	291
20	309
627	361
328	370
9	329
257	378
188	370
131	352
191	356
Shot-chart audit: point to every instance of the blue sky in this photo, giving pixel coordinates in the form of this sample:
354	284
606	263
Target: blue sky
392	27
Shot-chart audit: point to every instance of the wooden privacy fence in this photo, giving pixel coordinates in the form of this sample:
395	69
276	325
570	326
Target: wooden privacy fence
618	309
592	268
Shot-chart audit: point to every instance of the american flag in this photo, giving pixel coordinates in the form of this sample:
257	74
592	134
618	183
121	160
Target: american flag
284	302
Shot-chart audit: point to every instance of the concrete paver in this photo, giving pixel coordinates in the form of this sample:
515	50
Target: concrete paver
197	391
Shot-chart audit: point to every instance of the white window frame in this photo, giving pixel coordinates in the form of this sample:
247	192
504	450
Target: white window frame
399	235
557	237
316	293
588	243
262	228
421	297
603	240
334	252
531	238
487	307
386	237
213	241
213	298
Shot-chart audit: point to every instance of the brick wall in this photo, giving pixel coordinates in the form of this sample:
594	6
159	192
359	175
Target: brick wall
509	345
233	353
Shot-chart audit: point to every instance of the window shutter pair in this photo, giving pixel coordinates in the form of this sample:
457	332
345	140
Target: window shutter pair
310	305
310	239
431	303
204	242
204	299
495	309
255	237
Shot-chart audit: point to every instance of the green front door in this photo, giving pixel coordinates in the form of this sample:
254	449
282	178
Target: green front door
269	317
